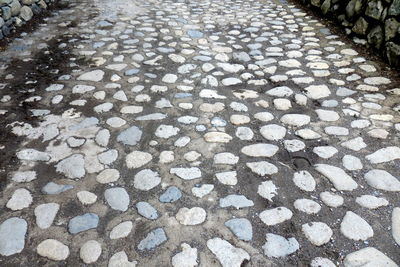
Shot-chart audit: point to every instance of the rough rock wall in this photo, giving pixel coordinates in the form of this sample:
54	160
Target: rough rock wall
15	13
375	23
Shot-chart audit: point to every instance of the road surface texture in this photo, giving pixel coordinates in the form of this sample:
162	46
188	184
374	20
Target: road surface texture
196	133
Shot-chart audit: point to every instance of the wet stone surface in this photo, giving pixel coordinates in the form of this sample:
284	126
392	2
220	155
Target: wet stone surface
197	133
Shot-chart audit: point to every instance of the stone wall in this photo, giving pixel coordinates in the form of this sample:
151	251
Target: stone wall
375	23
15	13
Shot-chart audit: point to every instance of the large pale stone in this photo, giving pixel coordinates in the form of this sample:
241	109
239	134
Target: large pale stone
53	249
276	215
368	257
278	246
228	255
260	150
382	180
146	180
45	214
355	227
191	216
120	259
317	232
94	76
217	137
90	251
396	225
12	236
338	177
137	159
186	258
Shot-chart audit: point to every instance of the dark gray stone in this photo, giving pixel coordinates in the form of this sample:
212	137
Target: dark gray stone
153	239
391	27
41	4
375	37
6	12
82	223
394	9
374	9
325	7
170	195
316	3
361	26
36	9
353	9
393	54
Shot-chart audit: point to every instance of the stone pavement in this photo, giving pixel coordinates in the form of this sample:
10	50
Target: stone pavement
196	133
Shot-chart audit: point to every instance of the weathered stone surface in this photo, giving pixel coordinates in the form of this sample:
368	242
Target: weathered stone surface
121	230
117	198
375	37
146	180
53	249
368	256
355	227
72	167
241	227
94	76
382	180
90	251
278	246
147	210
45	214
20	199
236	201
361	26
26	13
186	173
153	239
339	178
260	150
121	259
317	233
186	258
130	136
276	215
82	223
12	236
226	253
191	216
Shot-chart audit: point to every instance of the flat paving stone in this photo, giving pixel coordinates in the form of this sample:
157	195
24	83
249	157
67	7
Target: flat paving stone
153	239
12	236
83	222
226	253
241	227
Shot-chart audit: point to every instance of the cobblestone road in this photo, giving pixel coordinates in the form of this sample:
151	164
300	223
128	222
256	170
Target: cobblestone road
196	133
